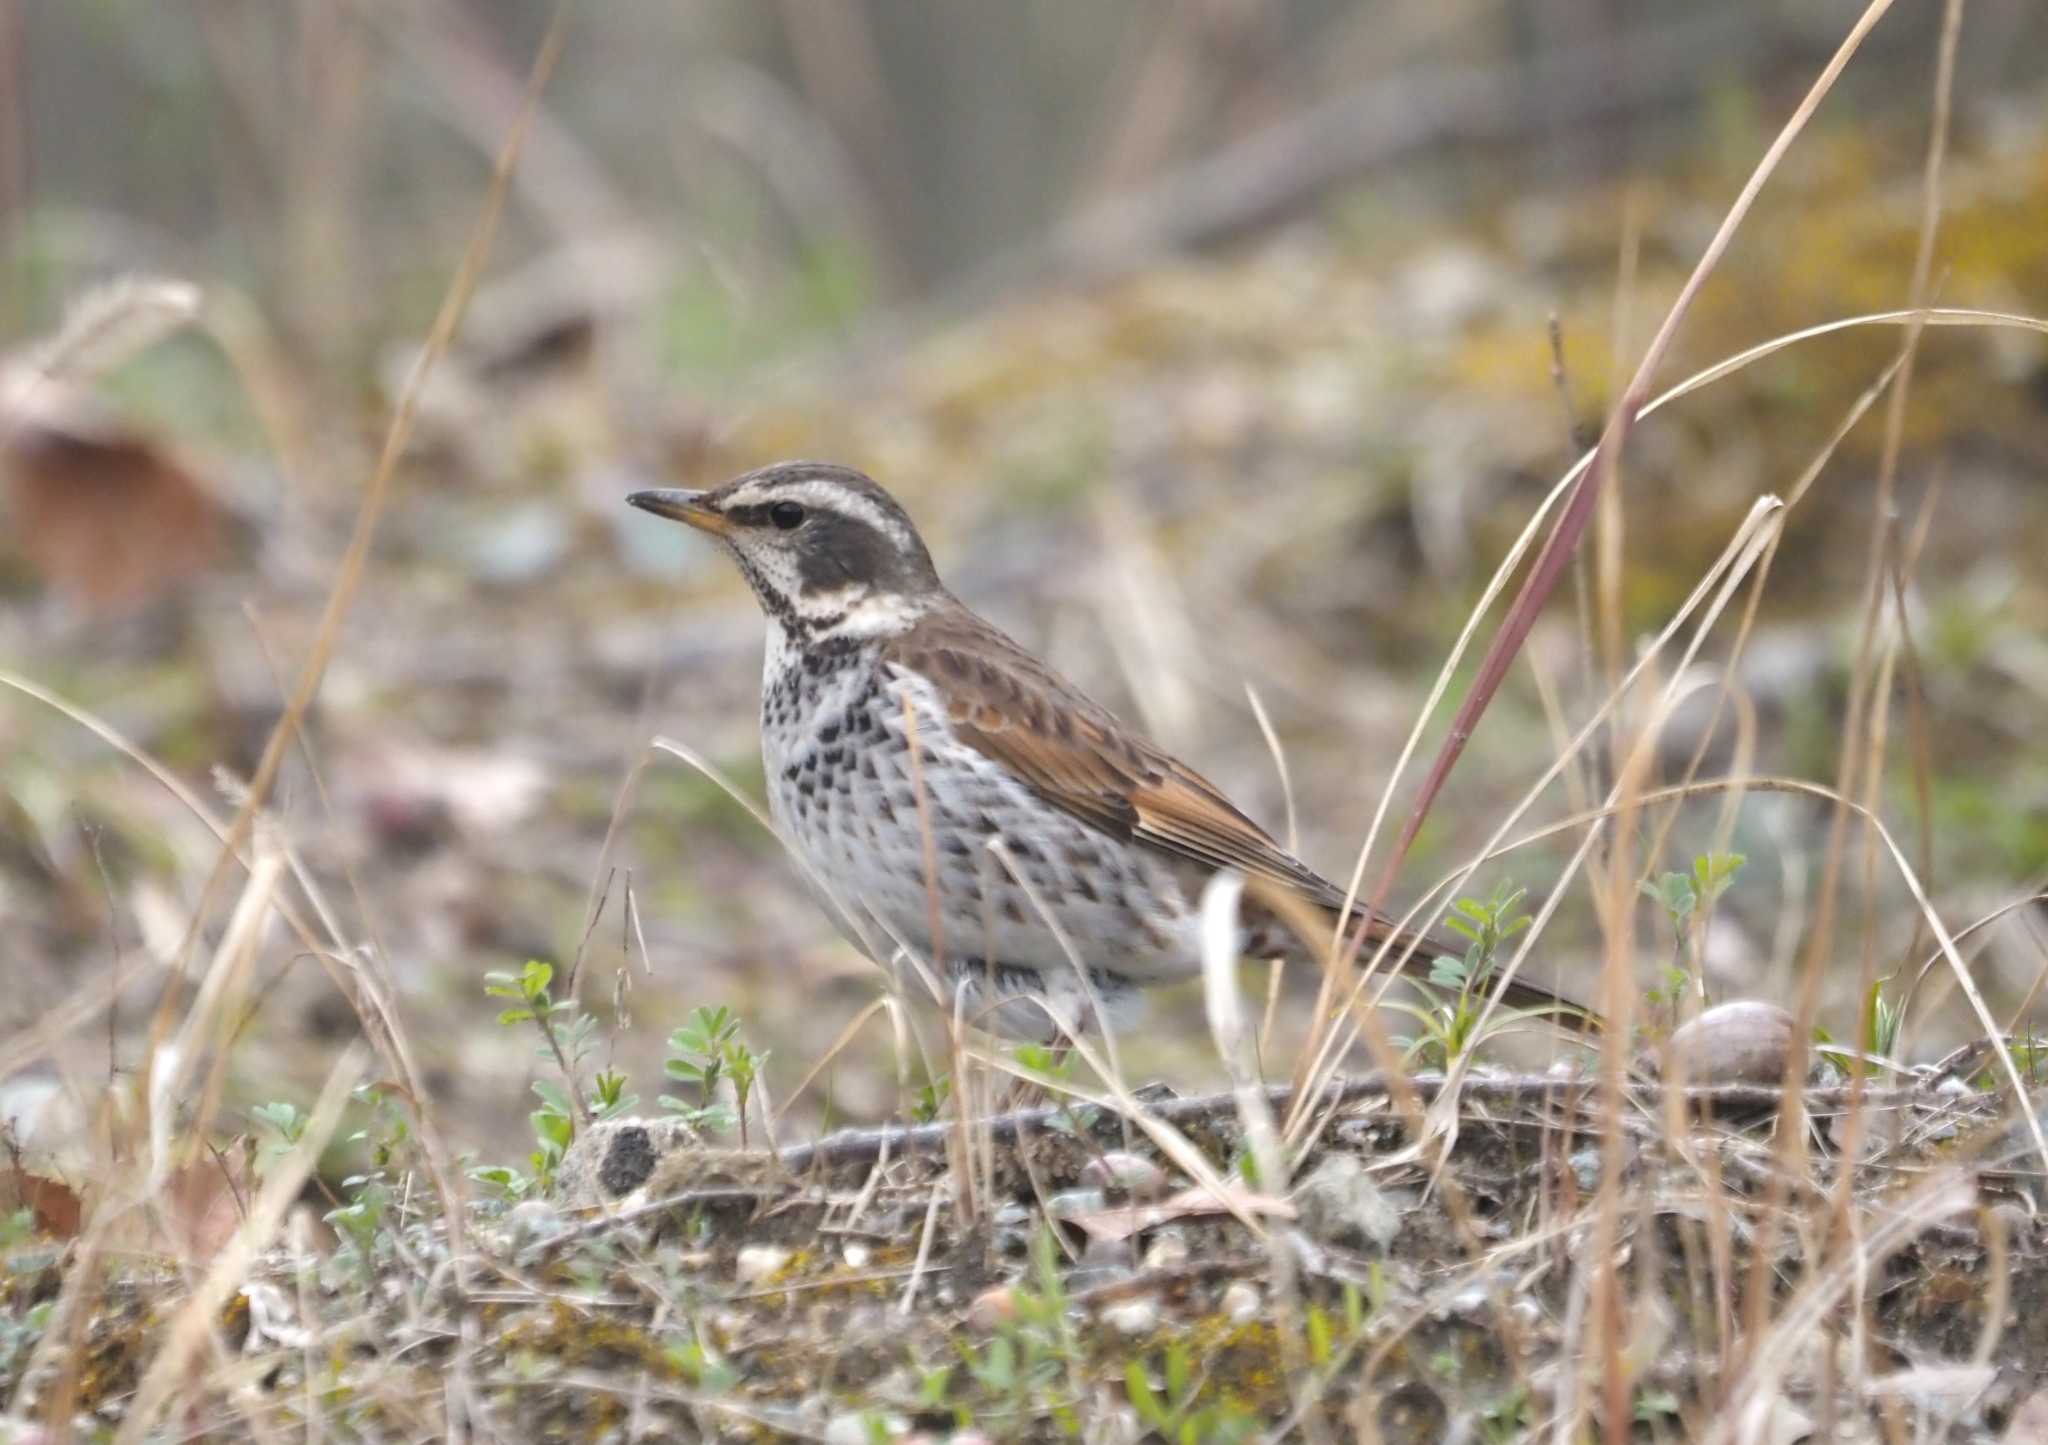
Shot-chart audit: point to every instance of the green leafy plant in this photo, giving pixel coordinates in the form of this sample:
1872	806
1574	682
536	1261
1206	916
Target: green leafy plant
1882	1022
361	1219
17	1226
282	1125
1030	1369
1485	926
933	1386
1455	994
931	1099
1653	1405
363	1212
1883	1019
1054	1064
1174	1410
1688	901
1044	1061
700	1365
568	1035
1507	1417
19	1336
387	1131
2029	1059
565	1030
554	1129
1016	1378
709	1049
609	1091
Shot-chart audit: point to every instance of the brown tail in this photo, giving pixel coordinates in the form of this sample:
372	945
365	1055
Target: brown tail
1285	905
1535	998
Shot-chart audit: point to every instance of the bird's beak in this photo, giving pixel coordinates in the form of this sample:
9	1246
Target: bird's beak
679	505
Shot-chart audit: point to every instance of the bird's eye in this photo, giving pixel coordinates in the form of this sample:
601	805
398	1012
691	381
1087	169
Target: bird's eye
787	516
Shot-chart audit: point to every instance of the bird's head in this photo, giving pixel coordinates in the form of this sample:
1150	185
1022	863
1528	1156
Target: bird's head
826	550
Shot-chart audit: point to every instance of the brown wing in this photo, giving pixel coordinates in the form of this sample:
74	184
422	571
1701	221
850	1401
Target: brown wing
1075	754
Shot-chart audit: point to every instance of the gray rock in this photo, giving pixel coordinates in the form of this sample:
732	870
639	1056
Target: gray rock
1132	1317
610	1160
1742	1042
1126	1175
1168	1249
532	1220
1341	1205
760	1261
1241	1302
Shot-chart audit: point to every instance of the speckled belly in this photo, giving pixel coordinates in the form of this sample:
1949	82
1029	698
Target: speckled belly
843	788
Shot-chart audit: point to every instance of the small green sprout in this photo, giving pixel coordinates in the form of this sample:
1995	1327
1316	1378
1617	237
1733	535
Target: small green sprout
1456	991
1688	901
705	1051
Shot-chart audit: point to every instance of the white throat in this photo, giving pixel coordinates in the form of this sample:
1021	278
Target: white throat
857	612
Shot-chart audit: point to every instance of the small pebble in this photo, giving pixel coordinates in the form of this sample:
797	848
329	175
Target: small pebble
1340	1204
1108	1256
1467	1302
534	1219
859	1429
1168	1250
1121	1173
992	1307
1072	1203
1241	1302
1132	1317
857	1255
759	1261
1744	1042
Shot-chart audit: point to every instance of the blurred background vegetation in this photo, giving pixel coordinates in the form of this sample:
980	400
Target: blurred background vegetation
1209	341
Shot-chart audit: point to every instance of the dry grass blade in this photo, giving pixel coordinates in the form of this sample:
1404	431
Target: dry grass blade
1742	1416
193	1325
1324	1044
1279	755
853	921
211	1015
104	328
1868	703
1944	941
27	1046
1225	1007
355	558
1707	376
1558	547
838	1046
342	594
1234	1045
1714	590
600	880
1752	541
1739	646
1119	1100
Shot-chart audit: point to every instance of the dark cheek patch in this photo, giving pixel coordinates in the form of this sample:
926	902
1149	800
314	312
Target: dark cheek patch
838	551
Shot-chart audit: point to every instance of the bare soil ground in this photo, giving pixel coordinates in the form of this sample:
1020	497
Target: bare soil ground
852	1290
